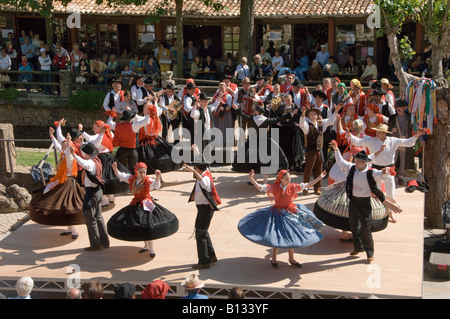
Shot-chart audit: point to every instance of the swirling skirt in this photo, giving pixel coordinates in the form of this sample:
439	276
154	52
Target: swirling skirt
332	209
61	206
157	156
133	223
279	228
113	185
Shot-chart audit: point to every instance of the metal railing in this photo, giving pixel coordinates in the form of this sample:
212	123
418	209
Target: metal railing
10	141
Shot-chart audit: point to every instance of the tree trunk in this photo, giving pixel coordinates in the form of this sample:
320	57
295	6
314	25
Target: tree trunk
247	29
436	61
437	162
49	31
180	42
402	76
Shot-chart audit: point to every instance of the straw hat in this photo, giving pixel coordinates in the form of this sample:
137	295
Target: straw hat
386	81
193	282
382	128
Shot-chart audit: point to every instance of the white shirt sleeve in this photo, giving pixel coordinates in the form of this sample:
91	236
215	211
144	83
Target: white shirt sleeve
155	184
404	142
141	123
343	164
378	175
56	144
187	104
89	138
86	164
304	125
362	142
59	135
205	183
106	102
328	121
111	123
195	114
124	177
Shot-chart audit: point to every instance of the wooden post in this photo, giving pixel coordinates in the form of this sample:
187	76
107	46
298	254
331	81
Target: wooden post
331	37
419	38
65	79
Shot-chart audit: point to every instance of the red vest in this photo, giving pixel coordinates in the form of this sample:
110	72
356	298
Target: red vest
141	191
124	136
286	88
371	125
214	193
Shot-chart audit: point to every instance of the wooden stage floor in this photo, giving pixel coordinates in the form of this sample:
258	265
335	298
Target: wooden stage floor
328	271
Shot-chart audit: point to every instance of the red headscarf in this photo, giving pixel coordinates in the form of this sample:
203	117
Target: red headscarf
107	140
158	289
374	107
138	166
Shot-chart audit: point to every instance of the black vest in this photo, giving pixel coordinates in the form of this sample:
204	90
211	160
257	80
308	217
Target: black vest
207	195
384	109
370	180
111	100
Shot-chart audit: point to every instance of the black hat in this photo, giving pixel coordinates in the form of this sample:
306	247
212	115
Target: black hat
127	115
139	77
170	86
75	133
116	80
190	86
376	91
124	291
260	77
320	94
401	103
227	76
203	97
362	156
89	149
376	85
296	83
150	81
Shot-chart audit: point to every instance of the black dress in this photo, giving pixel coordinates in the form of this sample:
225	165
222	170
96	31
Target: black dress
156	153
253	153
292	141
113	185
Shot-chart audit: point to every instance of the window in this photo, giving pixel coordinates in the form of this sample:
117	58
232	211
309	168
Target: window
88	39
280	35
109	39
7	25
61	32
146	39
170	33
231	40
356	40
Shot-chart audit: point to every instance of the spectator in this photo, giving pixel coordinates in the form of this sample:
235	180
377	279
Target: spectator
229	68
22	37
164	57
193	284
125	54
303	65
315	72
225	61
10	39
113	65
209	65
158	289
93	290
59	60
352	65
236	293
73	293
45	64
342	58
127	79
313	52
125	291
322	56
266	68
65	53
49	52
310	41
98	69
84	69
36	42
13	55
174	57
24	286
285	54
157	47
190	52
334	69
206	49
26	66
264	54
424	68
256	69
151	68
136	64
5	61
370	71
277	61
242	70
75	57
271	49
28	50
196	66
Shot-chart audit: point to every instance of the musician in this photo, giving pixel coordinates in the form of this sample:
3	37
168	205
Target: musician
139	83
203	119
223	116
262	88
145	94
168	98
298	94
245	98
113	98
188	103
183	92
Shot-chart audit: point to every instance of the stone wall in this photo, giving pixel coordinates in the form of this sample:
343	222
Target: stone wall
32	114
6	132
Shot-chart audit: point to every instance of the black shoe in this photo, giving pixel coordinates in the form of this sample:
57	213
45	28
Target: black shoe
143	250
65	233
297	264
213	260
152	255
75	236
274	265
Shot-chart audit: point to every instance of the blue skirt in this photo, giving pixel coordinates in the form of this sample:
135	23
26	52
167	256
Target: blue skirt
279	228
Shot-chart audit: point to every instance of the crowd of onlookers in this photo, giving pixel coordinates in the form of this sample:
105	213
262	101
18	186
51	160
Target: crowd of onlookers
311	62
157	289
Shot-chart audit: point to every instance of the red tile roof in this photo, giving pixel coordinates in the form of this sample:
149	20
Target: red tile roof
197	9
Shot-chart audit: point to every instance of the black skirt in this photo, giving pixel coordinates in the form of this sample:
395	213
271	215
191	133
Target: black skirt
61	206
291	142
113	185
272	148
157	156
133	223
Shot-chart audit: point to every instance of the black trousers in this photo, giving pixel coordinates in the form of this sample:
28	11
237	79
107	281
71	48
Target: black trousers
359	211
128	157
166	123
205	249
92	210
189	124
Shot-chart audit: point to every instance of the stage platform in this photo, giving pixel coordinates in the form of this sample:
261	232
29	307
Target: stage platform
328	271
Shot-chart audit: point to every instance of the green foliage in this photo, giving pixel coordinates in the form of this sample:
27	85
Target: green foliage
9	94
395	13
87	101
406	51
